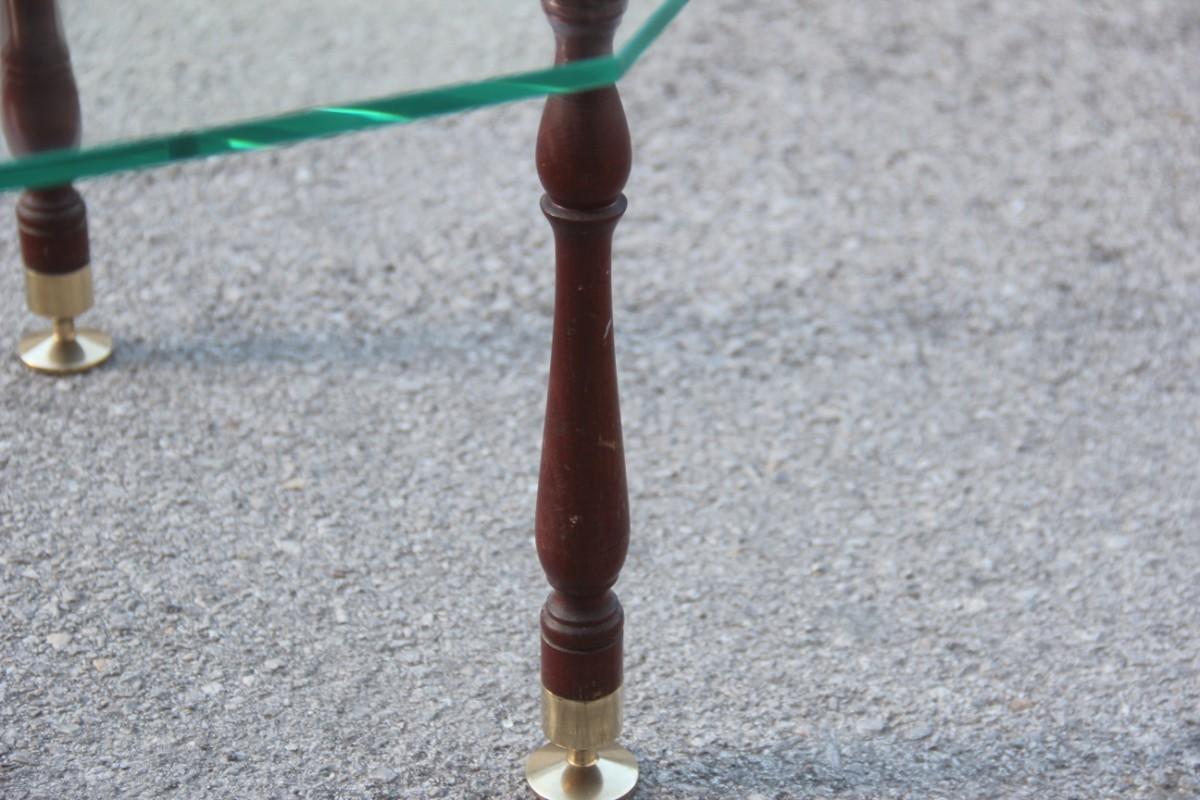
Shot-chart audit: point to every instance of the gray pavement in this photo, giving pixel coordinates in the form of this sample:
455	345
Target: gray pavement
908	313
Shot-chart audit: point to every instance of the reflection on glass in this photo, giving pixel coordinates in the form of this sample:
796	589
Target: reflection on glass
161	82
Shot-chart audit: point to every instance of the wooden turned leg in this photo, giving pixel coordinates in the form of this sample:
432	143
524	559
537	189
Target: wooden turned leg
41	112
583	159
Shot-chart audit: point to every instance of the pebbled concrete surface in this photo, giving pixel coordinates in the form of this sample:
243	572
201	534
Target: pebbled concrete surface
909	336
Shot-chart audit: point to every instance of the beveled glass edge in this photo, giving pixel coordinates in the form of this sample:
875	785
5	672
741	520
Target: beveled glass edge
63	166
650	30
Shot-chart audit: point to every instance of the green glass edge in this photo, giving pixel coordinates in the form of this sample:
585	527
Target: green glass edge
649	31
52	169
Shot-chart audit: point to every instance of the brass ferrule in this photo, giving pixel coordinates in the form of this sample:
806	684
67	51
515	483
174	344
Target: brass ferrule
581	725
59	296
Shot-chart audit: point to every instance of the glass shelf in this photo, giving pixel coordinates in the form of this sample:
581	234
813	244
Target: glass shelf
163	82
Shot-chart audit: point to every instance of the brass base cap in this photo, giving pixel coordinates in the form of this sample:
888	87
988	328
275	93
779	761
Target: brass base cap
611	774
59	296
582	724
46	352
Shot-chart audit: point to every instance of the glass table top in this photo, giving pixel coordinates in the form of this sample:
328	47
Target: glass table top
168	81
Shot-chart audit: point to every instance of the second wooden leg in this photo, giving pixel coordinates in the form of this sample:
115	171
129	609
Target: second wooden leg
41	113
583	159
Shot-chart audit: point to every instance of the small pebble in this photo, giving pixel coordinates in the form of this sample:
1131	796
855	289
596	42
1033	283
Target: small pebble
920	732
871	725
384	775
58	640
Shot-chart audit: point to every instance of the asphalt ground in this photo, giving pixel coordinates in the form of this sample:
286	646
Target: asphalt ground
908	319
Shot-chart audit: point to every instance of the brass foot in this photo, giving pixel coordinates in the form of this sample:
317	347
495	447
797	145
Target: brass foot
583	760
62	350
557	773
65	350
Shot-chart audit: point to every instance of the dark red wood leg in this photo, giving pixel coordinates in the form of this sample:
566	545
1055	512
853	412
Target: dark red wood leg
583	158
41	112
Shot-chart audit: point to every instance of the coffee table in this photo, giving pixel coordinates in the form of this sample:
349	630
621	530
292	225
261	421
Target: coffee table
64	66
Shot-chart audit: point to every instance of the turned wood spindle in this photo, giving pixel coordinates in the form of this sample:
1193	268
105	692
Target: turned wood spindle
41	113
583	160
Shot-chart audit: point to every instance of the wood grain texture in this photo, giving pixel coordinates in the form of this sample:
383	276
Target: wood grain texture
41	112
583	159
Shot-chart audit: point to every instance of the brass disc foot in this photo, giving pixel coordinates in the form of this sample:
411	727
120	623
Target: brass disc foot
65	350
62	350
556	773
